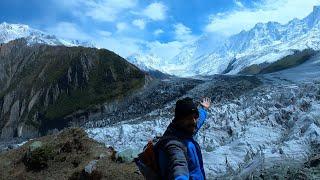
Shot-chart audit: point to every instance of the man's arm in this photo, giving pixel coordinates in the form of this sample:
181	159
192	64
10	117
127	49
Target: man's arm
205	104
202	118
178	164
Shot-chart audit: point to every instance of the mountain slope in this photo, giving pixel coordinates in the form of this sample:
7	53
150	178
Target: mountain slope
42	86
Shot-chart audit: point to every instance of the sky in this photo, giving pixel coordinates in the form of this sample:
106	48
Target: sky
161	28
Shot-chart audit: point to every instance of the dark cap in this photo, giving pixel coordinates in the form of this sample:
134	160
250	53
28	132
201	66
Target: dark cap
185	107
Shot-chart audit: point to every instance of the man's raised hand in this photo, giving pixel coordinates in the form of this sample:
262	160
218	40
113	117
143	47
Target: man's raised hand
206	102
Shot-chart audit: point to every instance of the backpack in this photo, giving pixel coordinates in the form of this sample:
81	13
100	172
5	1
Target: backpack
147	160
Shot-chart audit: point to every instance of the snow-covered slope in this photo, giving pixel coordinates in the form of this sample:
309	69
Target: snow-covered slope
9	32
263	43
146	62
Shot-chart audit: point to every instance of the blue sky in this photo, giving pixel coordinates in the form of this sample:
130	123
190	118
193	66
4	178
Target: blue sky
147	26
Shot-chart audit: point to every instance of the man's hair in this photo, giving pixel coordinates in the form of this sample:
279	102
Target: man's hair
185	107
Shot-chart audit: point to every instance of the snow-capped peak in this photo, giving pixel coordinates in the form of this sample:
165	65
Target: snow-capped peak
9	32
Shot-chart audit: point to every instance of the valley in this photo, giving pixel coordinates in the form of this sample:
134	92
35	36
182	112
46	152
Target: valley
92	111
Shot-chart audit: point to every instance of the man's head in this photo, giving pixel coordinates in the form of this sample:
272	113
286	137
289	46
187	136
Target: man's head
186	115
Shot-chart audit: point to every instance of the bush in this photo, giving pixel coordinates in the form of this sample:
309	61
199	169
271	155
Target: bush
37	159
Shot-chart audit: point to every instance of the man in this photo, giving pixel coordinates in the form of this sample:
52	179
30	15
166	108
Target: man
179	155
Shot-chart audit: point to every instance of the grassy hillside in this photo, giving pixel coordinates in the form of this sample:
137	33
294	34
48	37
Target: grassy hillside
289	61
48	83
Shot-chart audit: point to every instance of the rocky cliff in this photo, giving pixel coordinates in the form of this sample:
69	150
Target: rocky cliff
46	87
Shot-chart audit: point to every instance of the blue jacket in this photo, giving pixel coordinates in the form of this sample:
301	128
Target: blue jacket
181	159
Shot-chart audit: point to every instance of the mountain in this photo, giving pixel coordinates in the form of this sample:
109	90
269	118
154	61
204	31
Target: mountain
264	43
9	32
45	87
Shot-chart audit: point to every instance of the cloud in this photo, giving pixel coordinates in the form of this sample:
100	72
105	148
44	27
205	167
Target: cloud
67	30
268	10
108	10
104	33
158	32
140	23
121	45
239	3
126	47
99	10
121	26
166	50
155	11
183	33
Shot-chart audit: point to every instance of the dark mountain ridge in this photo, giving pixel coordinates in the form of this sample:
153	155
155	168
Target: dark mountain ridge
41	86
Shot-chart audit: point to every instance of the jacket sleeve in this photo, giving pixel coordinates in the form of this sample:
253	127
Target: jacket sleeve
177	164
202	118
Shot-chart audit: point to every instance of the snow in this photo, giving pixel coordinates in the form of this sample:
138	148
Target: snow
9	32
146	62
24	142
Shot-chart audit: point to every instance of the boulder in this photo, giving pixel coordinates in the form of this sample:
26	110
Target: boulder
127	155
92	166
